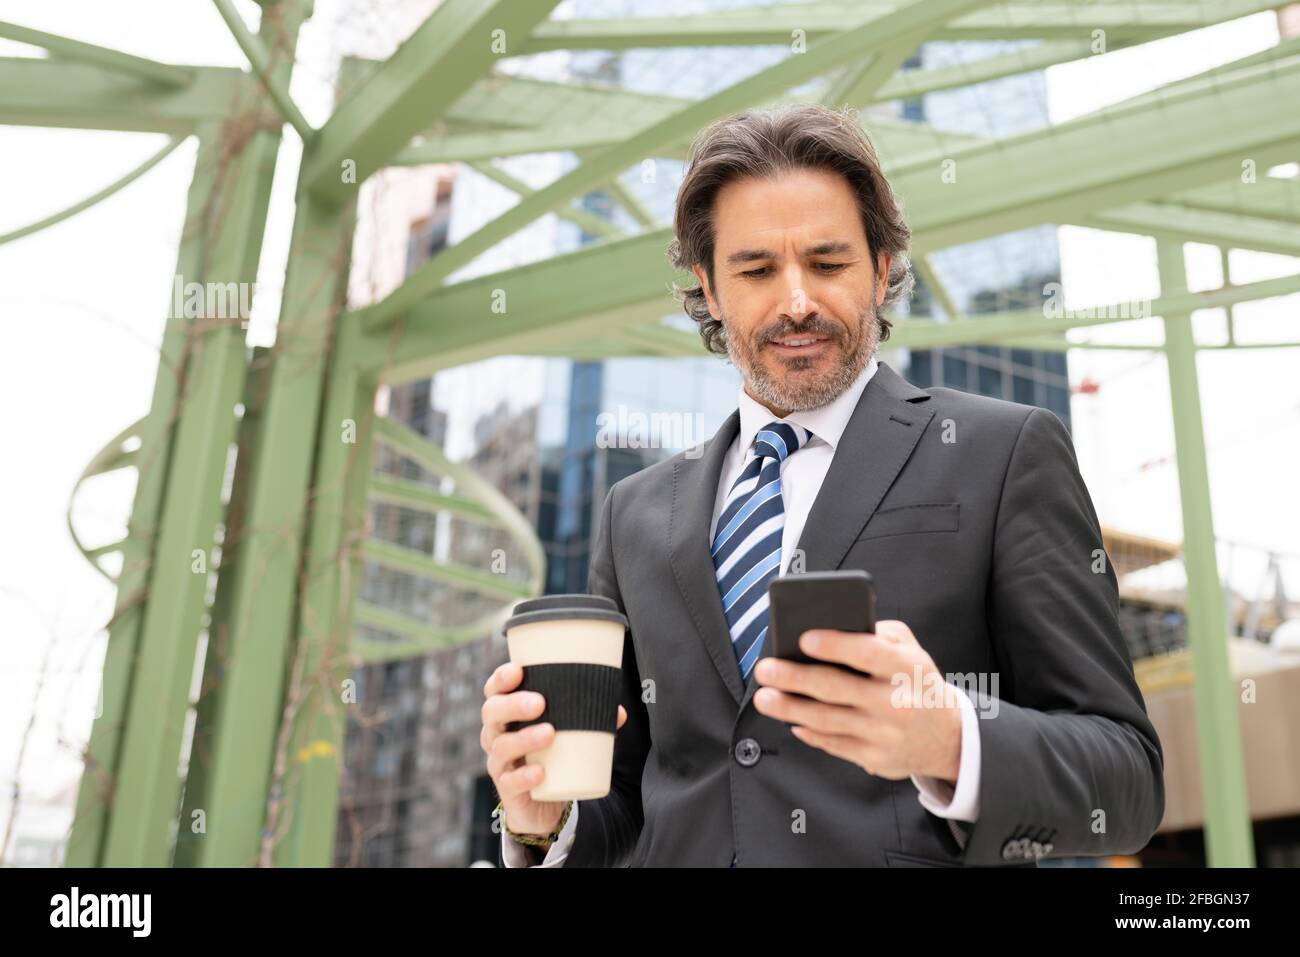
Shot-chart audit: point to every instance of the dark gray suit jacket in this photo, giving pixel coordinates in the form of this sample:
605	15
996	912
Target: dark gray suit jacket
972	517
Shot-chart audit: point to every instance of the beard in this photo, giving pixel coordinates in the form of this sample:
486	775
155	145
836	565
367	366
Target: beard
799	383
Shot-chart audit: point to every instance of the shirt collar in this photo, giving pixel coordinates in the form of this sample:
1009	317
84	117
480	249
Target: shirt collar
826	422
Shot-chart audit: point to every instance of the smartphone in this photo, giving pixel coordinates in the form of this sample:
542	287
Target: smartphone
840	600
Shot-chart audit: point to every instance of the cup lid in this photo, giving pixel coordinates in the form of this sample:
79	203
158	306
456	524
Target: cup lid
553	607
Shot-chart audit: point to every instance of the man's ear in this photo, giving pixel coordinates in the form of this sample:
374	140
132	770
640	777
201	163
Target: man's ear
702	279
882	277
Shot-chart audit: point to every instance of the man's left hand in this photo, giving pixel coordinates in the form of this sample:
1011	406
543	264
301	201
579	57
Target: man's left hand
879	719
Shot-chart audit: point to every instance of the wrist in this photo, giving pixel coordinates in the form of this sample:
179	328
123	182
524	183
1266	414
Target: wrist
952	765
540	842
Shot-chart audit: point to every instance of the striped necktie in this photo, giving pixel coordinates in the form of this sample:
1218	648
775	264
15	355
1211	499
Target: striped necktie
747	545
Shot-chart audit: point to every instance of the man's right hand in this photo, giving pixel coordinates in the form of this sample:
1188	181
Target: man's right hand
506	751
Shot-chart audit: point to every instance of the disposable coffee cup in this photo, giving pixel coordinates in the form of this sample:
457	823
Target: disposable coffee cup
571	650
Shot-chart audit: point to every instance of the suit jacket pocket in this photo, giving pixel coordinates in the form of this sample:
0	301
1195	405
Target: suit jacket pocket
902	859
911	519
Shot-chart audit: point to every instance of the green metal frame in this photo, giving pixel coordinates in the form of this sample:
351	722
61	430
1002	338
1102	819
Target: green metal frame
264	762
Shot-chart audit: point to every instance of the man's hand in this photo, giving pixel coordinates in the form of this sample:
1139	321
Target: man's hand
507	751
879	720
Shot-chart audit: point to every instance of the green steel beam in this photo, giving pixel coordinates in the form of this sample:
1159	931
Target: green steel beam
529	103
1228	837
992	329
83	96
858	83
465	147
1225	267
1284	48
115	60
775	25
925	269
491	314
421	639
1059	173
153	462
635	208
303	813
534	116
595	348
620	193
442	59
898	143
193	843
263	64
469	483
97	197
581	338
113	456
476	498
916	83
416	495
1048	344
865	34
1266	197
579	217
413	562
1171	221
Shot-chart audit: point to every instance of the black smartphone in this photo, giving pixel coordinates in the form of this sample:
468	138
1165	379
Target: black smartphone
840	600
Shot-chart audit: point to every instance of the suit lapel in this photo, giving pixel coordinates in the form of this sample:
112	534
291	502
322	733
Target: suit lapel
695	487
877	442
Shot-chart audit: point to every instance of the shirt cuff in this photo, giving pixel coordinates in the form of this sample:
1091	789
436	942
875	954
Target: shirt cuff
940	798
515	855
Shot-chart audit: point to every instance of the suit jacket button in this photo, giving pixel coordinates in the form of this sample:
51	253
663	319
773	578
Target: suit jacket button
748	752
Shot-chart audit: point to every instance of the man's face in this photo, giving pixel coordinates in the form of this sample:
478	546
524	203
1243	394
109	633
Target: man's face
794	287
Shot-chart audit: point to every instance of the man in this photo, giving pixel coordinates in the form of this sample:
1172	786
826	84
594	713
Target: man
969	513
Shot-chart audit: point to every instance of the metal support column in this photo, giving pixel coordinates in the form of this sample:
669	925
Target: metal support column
1228	838
303	822
90	820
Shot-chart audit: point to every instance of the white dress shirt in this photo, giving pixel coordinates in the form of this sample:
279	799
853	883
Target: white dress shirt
801	479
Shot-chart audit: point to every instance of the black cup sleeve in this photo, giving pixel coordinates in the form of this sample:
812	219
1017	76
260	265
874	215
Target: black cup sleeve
579	696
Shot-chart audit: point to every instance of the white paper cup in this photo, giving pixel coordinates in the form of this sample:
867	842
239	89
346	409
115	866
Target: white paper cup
571	650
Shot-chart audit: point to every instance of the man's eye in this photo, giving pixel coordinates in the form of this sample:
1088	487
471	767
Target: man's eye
827	268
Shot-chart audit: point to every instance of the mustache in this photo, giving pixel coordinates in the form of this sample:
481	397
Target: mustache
815	327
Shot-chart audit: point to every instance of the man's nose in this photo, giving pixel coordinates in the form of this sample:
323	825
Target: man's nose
798	302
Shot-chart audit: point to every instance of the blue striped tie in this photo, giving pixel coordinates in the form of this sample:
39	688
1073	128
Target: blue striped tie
747	546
